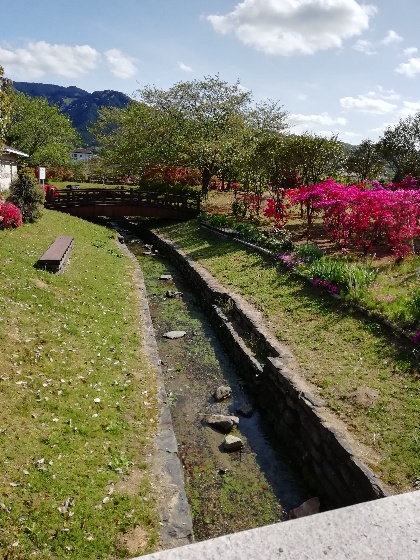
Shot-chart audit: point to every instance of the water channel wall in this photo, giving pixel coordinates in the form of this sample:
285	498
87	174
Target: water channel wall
322	451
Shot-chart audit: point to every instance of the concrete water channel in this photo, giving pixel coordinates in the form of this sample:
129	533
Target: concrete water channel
227	492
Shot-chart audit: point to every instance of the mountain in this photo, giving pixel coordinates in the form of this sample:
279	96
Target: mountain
81	106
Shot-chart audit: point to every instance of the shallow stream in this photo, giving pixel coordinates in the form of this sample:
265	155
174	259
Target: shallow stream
227	492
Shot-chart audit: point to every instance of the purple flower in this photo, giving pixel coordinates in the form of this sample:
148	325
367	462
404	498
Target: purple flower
332	288
416	337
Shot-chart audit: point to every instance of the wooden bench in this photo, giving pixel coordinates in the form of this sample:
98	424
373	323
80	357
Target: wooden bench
56	256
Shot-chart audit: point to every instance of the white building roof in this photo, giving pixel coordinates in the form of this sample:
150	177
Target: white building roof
10	150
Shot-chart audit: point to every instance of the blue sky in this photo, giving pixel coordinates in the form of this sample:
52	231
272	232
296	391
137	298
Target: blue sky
337	66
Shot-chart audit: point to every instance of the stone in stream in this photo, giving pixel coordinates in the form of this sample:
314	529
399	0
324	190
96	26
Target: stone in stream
172	335
165	277
246	410
223	392
221	422
172	294
309	507
232	443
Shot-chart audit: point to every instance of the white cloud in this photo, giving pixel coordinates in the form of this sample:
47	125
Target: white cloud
365	47
294	26
120	64
383	127
184	67
41	58
410	108
309	120
365	104
410	68
410	51
302	97
383	93
242	88
391	37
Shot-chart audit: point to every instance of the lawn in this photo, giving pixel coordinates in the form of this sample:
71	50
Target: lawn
77	408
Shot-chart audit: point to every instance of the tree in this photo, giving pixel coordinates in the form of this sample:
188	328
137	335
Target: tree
135	139
400	146
40	130
315	157
366	161
5	88
26	194
206	116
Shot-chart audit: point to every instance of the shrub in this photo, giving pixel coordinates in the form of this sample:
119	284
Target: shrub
217	220
10	215
308	253
414	304
26	194
279	240
351	278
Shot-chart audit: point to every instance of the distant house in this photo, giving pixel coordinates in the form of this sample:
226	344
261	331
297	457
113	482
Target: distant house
81	154
8	166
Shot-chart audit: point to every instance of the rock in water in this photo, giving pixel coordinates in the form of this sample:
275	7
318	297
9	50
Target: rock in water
222	393
222	423
174	334
232	443
246	410
307	508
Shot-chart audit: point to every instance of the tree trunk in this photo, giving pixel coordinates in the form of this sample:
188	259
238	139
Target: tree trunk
206	176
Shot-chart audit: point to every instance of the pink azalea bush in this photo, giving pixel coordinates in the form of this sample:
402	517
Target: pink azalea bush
370	214
10	215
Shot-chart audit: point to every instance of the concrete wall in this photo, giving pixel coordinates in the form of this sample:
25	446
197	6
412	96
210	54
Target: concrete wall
378	530
319	442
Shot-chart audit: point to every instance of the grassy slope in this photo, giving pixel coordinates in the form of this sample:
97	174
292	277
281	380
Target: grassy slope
338	351
76	409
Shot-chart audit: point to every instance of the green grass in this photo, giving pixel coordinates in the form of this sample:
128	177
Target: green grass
63	184
394	293
77	411
339	351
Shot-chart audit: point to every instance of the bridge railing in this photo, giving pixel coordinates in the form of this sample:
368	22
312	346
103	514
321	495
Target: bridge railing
122	196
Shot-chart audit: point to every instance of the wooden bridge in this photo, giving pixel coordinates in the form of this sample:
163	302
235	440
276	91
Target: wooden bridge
88	203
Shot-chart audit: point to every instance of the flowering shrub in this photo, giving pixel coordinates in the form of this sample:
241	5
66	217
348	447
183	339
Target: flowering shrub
332	288
290	260
276	211
173	176
10	215
369	214
247	203
409	183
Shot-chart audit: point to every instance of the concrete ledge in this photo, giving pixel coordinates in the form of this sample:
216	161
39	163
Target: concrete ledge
382	529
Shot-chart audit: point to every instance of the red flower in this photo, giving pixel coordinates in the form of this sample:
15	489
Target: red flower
10	216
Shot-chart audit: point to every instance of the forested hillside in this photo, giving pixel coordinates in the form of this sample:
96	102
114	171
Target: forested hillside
81	106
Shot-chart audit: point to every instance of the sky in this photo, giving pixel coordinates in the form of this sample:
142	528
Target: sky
338	67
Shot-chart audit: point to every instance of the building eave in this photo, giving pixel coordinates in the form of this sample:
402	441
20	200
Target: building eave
10	150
